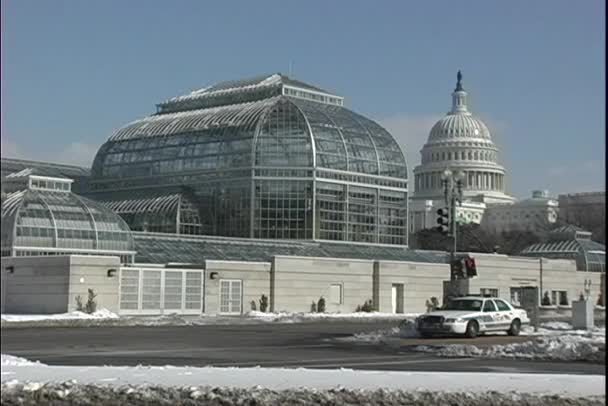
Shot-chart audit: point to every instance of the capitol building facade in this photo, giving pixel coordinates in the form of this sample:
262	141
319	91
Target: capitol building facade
462	143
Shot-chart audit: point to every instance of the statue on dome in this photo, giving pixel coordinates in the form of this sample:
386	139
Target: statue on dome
459	77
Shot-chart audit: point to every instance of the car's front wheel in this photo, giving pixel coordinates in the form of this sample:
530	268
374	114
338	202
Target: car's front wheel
515	328
472	329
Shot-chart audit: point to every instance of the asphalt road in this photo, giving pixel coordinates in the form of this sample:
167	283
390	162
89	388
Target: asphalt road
308	345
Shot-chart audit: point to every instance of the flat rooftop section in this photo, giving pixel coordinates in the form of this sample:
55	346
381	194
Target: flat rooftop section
164	248
12	165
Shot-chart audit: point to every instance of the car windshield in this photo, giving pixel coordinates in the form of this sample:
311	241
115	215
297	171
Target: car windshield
464	304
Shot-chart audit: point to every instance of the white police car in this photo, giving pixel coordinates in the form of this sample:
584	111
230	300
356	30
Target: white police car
472	315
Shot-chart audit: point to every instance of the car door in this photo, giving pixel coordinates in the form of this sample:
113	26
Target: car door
489	315
504	315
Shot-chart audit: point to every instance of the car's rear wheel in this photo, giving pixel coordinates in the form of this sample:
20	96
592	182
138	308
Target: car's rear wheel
515	328
472	329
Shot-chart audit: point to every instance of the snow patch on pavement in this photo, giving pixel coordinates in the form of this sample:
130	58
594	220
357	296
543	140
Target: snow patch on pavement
407	329
75	315
562	348
106	317
552	341
11	360
294	317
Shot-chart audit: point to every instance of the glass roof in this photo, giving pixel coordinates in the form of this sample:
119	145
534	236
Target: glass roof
163	248
61	220
176	142
589	255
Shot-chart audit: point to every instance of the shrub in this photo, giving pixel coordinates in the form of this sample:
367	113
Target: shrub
321	305
253	306
79	305
313	307
367	306
600	299
546	299
264	303
358	309
91	305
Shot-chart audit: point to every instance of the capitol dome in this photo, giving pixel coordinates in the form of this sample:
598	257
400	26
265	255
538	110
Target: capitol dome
461	142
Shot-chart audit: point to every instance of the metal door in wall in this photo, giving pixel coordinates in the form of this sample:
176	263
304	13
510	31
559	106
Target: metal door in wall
397	298
231	296
161	291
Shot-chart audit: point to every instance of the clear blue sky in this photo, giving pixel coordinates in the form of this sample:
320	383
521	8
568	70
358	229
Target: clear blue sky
74	71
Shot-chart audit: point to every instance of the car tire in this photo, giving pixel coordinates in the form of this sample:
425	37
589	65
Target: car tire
515	328
472	329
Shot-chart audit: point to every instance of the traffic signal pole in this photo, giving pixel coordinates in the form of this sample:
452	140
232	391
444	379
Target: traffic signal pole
452	184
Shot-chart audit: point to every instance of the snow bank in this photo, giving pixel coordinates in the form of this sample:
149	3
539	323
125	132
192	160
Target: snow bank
562	348
295	317
11	360
319	379
104	316
68	393
407	329
552	341
76	315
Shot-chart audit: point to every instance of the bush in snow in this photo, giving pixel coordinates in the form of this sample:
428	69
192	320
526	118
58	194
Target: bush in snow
264	303
321	305
91	305
253	306
79	305
313	307
367	307
546	299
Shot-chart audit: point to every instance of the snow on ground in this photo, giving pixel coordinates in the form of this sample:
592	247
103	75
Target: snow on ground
291	317
552	341
11	360
284	378
76	315
562	348
105	317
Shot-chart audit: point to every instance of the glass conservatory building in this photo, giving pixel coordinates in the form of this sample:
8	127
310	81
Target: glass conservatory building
41	216
570	242
268	157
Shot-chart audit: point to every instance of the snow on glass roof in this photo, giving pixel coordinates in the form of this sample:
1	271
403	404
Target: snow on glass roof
238	91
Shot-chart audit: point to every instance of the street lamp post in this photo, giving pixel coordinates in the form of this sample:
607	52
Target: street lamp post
452	190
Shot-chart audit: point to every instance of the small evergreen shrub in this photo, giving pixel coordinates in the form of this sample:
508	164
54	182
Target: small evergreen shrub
79	305
321	305
91	305
546	299
313	307
264	303
367	306
253	305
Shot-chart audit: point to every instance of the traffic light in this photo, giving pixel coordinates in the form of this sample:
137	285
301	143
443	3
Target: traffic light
443	220
456	269
471	268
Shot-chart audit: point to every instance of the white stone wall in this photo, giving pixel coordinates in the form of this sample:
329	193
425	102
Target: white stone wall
37	284
255	277
298	281
502	272
87	271
421	281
